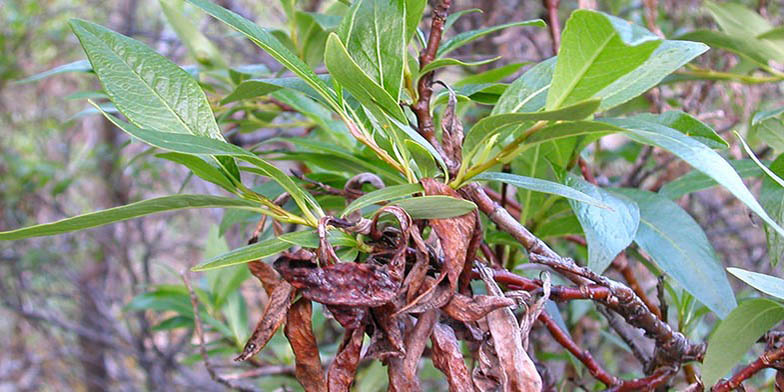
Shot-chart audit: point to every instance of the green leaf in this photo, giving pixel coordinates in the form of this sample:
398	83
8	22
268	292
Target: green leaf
454	16
735	336
772	199
681	249
266	41
688	125
149	89
544	186
468	36
768	284
607	232
256	251
382	195
435	207
698	155
348	73
76	66
752	49
374	33
529	92
191	144
491	125
441	63
133	210
198	45
414	11
201	169
696	180
606	57
736	19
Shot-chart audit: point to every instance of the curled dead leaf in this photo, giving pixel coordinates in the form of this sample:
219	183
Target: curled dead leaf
271	319
465	308
448	358
299	332
343	368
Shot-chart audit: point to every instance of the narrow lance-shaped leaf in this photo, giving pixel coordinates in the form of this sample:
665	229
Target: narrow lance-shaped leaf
736	334
382	195
266	41
544	186
768	284
351	76
679	247
468	36
198	45
76	66
607	232
259	250
149	89
491	125
374	33
698	155
606	57
435	207
130	211
191	144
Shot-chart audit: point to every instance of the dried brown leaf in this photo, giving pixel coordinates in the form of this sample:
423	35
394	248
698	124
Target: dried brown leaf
344	284
448	358
267	275
349	317
343	368
271	319
299	331
465	308
519	370
403	371
454	234
387	338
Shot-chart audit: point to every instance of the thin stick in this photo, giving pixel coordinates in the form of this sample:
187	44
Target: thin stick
766	360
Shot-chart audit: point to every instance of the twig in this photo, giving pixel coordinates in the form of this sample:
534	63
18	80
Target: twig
553	23
202	346
425	86
583	355
621	263
650	383
766	360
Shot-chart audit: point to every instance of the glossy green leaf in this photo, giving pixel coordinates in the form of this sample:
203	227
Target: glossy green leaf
454	16
149	89
76	66
543	186
130	211
256	251
348	73
492	75
491	125
772	199
374	34
198	45
201	169
755	50
768	284
680	248
695	180
192	144
736	334
698	155
445	62
529	92
688	125
414	11
736	19
606	57
435	207
271	45
468	36
382	195
607	231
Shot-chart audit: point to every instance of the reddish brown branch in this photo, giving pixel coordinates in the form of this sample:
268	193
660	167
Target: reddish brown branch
425	86
650	383
766	360
622	265
583	355
553	23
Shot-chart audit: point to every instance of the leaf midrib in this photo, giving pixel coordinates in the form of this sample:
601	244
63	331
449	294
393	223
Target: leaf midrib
584	70
166	104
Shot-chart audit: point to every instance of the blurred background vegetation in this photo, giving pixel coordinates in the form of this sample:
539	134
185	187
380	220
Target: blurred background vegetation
106	309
